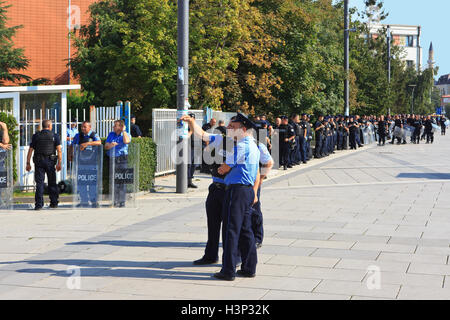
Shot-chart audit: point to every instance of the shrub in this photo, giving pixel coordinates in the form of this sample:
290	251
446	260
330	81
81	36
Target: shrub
11	123
147	164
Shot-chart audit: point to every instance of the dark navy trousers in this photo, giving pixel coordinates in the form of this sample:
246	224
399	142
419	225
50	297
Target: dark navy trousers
45	166
214	207
237	233
257	220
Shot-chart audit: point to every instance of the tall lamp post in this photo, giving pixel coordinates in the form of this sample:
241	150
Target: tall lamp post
413	86
346	57
182	93
347	31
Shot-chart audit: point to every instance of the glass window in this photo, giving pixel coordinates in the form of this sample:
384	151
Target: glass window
36	107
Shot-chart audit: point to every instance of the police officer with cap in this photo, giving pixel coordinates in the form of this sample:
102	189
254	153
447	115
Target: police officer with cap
242	180
88	157
44	145
214	156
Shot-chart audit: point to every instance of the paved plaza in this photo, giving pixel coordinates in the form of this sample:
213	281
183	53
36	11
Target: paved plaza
371	224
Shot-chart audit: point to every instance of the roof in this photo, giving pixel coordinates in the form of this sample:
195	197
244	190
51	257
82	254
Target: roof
445	79
41	88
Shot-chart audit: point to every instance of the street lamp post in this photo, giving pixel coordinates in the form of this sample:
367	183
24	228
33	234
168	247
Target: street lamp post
346	57
182	93
413	86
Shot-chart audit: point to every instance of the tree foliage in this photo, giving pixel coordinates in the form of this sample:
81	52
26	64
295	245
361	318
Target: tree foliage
12	60
257	56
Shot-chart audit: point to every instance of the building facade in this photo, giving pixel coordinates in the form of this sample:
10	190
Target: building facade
443	84
44	35
406	37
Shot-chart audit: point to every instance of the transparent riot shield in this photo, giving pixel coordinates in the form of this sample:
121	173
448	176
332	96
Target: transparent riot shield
124	177
87	175
408	131
6	179
365	131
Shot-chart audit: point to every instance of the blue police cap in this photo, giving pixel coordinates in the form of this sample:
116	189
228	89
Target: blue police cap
245	121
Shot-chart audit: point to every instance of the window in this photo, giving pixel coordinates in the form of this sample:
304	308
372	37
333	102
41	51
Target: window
409	63
410	41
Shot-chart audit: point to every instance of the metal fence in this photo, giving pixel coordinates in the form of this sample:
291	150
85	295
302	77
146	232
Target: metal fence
164	126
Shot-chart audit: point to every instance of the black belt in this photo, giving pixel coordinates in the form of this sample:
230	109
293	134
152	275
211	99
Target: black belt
238	185
220	185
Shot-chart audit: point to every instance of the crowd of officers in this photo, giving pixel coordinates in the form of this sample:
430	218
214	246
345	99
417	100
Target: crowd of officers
243	159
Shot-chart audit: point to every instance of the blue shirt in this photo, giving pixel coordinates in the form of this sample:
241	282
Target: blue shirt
121	149
71	132
264	154
76	139
244	163
215	142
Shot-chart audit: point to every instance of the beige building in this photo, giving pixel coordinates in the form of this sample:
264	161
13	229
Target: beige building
407	37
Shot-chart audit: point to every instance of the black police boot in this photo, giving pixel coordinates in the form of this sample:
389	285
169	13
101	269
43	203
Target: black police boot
245	274
191	185
222	276
54	205
203	261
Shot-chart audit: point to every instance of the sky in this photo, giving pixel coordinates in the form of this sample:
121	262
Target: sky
432	16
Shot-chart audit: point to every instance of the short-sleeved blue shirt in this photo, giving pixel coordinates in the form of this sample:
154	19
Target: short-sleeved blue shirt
264	154
71	133
121	149
244	163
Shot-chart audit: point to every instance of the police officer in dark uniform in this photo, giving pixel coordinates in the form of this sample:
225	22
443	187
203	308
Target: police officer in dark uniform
44	145
429	130
417	124
295	151
135	131
319	128
353	127
287	136
303	139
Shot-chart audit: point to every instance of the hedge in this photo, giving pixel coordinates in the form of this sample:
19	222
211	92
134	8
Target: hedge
11	123
147	164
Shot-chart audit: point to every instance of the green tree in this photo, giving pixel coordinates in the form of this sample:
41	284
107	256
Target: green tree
12	60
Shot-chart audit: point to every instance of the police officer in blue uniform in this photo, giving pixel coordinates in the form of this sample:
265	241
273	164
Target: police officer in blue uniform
116	146
88	159
44	145
242	180
214	157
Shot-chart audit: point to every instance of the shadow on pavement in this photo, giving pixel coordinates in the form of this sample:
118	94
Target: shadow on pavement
148	244
431	176
121	269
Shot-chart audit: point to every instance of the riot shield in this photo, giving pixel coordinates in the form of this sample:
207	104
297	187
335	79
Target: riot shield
124	177
365	131
408	131
87	175
6	179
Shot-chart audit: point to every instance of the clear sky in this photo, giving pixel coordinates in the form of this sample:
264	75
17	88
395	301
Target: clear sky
432	16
